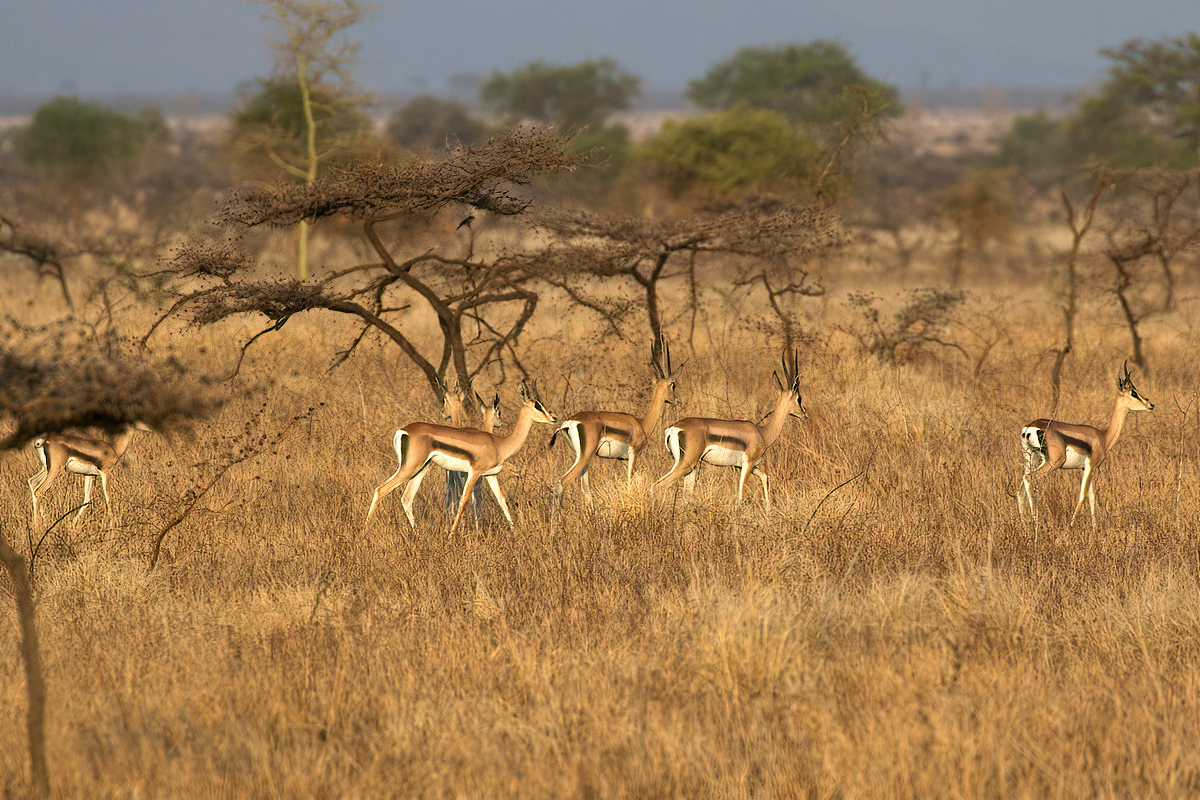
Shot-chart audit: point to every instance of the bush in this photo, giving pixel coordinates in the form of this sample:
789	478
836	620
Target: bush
84	141
729	153
428	122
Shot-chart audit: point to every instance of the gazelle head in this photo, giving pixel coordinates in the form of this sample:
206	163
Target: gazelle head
660	361
453	407
1128	393
492	418
789	384
529	394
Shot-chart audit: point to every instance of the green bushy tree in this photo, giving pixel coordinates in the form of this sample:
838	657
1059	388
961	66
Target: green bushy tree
428	123
89	142
571	97
729	153
818	85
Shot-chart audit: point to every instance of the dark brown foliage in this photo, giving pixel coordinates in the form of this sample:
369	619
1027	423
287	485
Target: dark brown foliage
61	378
480	177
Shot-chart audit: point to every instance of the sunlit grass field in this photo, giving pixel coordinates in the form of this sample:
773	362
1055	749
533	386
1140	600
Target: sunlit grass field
891	629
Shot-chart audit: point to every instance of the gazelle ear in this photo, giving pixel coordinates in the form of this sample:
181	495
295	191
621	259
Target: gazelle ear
496	401
478	400
524	391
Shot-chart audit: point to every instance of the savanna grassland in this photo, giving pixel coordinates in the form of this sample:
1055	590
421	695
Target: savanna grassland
891	629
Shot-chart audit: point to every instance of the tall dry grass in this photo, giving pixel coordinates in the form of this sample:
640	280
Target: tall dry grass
891	630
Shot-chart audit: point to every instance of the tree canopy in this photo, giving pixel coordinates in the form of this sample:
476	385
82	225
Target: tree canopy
431	123
730	152
88	141
572	97
818	84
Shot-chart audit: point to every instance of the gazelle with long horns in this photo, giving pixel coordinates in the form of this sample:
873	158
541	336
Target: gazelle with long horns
57	453
1049	445
740	444
479	454
615	434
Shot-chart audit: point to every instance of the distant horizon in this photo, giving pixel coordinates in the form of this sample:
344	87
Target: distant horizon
1019	97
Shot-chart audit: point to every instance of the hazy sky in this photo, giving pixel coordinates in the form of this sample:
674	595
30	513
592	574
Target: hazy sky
108	47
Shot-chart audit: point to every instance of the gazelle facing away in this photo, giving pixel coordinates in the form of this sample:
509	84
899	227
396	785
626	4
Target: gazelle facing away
1049	445
614	434
733	443
91	458
479	454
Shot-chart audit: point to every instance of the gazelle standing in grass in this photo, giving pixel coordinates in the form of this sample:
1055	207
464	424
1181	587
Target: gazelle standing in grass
740	444
479	454
454	408
1049	445
615	434
92	458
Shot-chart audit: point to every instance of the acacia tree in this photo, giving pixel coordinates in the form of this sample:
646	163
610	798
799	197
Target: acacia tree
481	302
51	252
770	237
310	56
1155	230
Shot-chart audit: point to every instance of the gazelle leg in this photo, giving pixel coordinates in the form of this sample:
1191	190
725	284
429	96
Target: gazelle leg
629	470
1083	489
494	485
1092	499
87	496
35	489
410	494
585	484
1027	491
585	449
402	474
103	476
689	481
472	479
39	483
743	473
762	476
686	464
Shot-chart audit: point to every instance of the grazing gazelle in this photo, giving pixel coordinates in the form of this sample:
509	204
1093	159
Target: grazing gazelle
91	458
479	454
733	443
1049	445
614	434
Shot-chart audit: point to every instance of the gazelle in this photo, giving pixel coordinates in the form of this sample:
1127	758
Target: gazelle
479	454
454	409
81	455
733	443
1049	445
614	434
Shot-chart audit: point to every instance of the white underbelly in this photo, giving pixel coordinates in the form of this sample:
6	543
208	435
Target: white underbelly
1075	459
80	467
610	448
450	463
723	456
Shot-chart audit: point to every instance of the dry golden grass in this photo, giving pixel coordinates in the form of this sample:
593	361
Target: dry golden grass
904	636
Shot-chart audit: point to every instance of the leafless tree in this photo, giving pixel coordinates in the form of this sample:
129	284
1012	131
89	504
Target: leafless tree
773	239
481	303
1155	227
